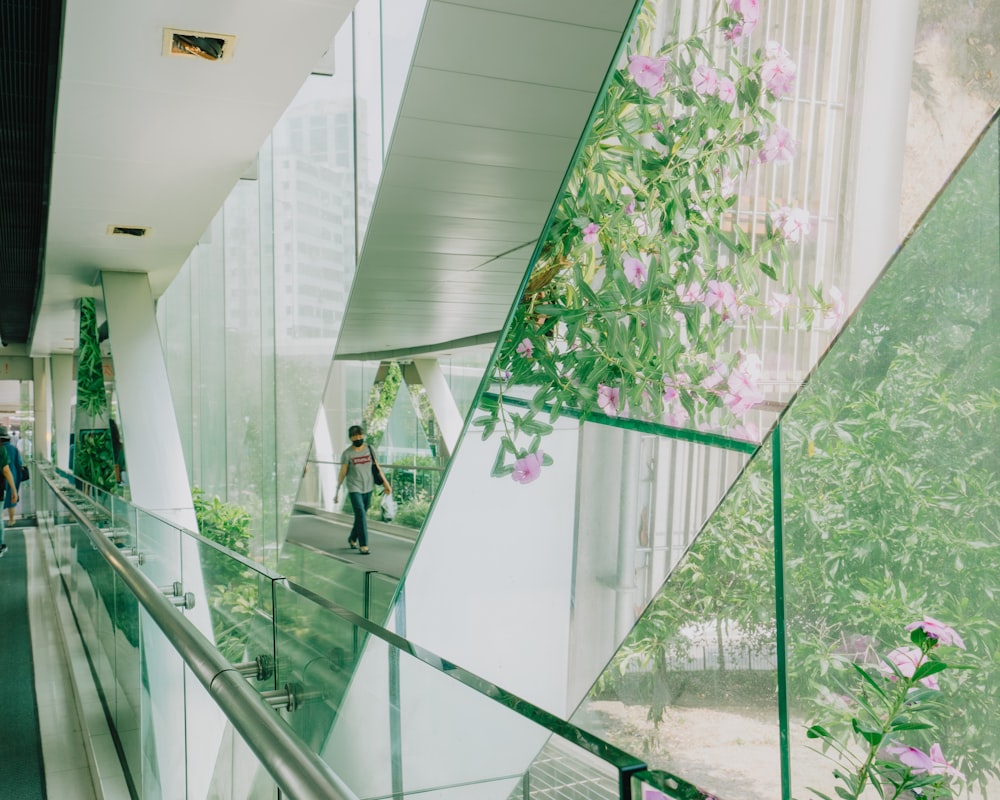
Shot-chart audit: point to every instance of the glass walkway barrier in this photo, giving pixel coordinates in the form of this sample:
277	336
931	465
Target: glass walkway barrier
222	679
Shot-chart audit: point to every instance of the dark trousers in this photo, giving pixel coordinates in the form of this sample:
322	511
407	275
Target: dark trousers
360	502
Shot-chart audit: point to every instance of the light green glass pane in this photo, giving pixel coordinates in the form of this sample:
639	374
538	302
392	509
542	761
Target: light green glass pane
892	487
424	731
338	581
693	688
237	774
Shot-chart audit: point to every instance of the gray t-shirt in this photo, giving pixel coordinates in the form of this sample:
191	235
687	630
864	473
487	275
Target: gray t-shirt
359	469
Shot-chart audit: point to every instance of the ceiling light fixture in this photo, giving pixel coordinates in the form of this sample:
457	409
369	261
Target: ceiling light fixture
198	44
127	230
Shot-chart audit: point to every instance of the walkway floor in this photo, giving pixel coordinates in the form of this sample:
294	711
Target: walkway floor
389	553
81	762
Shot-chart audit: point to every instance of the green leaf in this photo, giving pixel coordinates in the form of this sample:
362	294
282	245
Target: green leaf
929	668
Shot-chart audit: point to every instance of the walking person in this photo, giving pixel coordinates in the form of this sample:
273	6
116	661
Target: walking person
14	463
356	467
11	486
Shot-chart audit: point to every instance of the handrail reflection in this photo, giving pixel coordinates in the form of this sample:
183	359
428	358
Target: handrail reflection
298	771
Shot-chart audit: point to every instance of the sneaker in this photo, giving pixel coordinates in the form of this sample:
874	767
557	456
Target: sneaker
3	550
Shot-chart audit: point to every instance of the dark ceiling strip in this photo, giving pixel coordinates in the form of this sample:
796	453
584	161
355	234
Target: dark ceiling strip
30	36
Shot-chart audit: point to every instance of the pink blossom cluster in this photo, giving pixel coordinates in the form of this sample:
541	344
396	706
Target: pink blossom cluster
779	146
778	71
792	223
739	388
906	660
938	631
609	400
749	15
674	412
708	83
648	72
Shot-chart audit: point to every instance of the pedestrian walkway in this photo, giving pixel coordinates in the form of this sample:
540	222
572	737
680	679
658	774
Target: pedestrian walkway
22	772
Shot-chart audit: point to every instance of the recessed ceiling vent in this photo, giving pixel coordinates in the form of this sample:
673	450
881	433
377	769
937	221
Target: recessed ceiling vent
127	230
198	44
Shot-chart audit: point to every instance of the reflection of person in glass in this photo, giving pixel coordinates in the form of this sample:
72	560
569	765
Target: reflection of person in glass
356	467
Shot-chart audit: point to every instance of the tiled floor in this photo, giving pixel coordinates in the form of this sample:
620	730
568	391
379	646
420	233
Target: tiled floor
81	762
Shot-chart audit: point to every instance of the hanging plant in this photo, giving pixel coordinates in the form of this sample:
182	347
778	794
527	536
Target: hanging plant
647	272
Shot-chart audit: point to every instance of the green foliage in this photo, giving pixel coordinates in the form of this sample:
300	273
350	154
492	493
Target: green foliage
380	403
652	186
413	513
890	489
93	457
232	587
884	709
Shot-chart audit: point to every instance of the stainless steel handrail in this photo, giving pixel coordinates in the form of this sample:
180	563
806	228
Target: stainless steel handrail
298	771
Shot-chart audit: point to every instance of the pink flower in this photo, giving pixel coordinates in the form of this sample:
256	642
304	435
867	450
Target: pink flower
720	297
607	399
525	348
778	302
749	13
743	392
920	762
528	468
635	271
727	186
779	147
792	223
647	72
944	634
726	90
590	233
834	314
747	432
778	71
705	80
906	660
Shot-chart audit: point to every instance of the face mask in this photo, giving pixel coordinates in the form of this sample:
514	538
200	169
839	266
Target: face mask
357	442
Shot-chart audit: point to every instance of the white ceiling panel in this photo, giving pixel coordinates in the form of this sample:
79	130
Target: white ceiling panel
402	201
455	226
478	41
612	15
487	146
434	175
495	103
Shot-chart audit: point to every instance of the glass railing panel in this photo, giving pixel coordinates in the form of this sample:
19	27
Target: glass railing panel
381	589
236	774
161	731
892	504
123	691
427	728
693	689
338	580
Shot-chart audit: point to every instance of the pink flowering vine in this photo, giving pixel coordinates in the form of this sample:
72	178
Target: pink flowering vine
525	348
778	71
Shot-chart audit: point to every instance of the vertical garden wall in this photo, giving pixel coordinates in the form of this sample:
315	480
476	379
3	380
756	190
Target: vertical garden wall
93	459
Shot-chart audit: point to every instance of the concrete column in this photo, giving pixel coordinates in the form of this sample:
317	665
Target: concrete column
63	392
442	401
42	437
157	472
159	483
884	83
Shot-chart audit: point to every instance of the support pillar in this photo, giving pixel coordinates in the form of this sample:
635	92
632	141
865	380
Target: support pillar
157	472
442	402
41	438
63	392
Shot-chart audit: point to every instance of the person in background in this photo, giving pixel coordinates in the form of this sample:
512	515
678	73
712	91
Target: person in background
9	478
356	467
14	465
